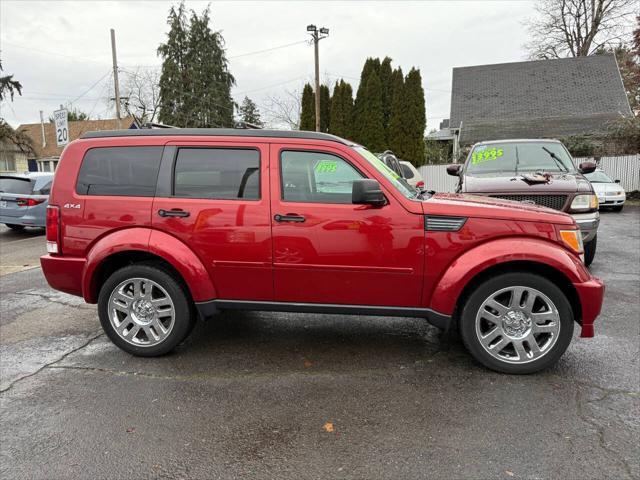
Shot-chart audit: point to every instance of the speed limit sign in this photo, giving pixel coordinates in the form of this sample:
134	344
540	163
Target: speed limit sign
62	127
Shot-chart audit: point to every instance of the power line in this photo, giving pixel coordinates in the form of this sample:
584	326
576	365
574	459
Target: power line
90	88
267	49
47	52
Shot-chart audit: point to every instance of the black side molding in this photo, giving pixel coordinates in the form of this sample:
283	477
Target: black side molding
210	308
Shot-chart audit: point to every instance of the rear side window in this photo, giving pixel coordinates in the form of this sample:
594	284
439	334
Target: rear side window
217	173
406	171
128	171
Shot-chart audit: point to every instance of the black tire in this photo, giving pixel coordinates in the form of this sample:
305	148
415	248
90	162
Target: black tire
618	208
467	322
590	250
183	308
14	227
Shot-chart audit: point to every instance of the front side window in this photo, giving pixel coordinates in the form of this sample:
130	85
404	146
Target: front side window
217	173
127	171
316	177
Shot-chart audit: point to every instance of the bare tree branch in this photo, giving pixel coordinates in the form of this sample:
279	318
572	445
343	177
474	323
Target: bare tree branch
283	111
577	28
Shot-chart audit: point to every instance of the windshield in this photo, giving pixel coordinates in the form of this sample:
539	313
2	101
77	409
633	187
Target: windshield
516	157
400	183
598	177
18	185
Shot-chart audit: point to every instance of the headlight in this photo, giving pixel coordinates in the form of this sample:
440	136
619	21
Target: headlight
573	240
584	202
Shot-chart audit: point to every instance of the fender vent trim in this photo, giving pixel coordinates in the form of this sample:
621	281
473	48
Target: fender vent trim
437	223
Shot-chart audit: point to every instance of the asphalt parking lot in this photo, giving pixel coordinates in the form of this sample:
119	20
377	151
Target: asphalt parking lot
267	395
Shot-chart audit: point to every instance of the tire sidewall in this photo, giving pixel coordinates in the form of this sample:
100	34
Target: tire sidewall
590	250
485	290
181	303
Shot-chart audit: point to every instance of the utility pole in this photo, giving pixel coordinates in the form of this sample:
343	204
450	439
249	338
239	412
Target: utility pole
44	137
317	35
115	74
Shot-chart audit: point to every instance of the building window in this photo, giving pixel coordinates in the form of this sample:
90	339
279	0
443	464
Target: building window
7	164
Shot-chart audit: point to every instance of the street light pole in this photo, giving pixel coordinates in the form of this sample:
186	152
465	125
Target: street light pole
317	35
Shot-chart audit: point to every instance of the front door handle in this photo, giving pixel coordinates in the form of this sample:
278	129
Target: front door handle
176	212
289	217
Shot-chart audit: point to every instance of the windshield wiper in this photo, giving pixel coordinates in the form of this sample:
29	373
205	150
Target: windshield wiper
556	159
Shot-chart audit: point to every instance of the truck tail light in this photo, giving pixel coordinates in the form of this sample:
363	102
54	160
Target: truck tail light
29	202
53	229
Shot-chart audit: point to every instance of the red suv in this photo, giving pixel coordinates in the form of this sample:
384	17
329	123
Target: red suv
159	227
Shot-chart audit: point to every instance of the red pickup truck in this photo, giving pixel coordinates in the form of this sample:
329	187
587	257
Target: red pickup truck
160	227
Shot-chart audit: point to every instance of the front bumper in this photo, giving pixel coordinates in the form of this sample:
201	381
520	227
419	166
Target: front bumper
588	224
591	294
612	200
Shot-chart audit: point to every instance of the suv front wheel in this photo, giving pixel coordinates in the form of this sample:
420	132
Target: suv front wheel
144	310
517	323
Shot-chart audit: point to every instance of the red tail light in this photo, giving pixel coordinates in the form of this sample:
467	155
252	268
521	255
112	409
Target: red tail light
420	184
29	202
53	229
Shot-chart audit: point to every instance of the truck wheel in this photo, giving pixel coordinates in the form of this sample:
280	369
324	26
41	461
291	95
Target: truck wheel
516	323
14	227
590	250
144	310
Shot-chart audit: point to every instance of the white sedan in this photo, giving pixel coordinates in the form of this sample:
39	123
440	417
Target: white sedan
610	193
411	174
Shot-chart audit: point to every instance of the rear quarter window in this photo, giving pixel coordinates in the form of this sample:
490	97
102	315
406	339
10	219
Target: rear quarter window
217	173
120	171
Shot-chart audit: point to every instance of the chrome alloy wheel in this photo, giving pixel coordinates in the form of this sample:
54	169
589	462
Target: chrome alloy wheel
141	312
518	324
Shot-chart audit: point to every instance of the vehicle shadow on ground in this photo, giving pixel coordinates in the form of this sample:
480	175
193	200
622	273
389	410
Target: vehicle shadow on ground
6	234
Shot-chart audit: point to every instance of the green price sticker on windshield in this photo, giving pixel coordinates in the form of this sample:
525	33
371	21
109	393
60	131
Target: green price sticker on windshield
326	166
485	155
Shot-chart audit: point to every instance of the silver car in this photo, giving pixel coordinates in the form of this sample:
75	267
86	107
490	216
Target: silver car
24	199
610	193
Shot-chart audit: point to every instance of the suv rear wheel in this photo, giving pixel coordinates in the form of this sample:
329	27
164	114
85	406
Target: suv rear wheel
144	310
517	323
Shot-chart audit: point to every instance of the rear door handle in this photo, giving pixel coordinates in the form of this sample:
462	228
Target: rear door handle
289	217
176	212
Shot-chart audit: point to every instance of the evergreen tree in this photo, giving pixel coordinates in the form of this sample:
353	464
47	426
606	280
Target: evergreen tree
249	113
371	121
371	65
195	84
308	109
341	117
415	118
386	75
395	132
325	108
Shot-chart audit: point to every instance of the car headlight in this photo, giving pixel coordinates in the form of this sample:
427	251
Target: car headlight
584	202
573	240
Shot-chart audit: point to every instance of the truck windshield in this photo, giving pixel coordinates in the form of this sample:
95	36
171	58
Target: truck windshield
400	183
514	157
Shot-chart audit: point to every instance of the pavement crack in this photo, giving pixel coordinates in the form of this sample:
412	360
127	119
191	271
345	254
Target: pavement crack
600	430
51	364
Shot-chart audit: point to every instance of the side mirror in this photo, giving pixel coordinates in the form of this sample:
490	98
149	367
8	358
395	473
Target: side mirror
617	181
454	170
587	167
366	191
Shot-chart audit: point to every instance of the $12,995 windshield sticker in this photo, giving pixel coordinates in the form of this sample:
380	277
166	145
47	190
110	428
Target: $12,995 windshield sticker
485	155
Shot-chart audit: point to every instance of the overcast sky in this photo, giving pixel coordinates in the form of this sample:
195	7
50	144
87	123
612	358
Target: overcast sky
60	51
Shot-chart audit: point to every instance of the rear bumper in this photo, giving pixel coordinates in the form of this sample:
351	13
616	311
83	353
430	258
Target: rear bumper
591	294
64	273
26	220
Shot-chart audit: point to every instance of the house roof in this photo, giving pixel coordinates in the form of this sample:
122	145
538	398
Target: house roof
76	129
546	98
